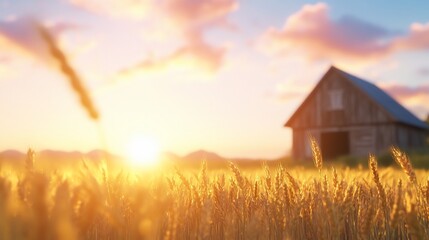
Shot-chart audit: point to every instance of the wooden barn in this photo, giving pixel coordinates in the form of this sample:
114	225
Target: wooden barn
350	116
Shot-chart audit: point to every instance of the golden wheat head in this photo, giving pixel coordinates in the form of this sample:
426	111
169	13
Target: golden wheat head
402	159
317	154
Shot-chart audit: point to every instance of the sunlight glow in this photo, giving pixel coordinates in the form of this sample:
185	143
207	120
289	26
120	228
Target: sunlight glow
143	151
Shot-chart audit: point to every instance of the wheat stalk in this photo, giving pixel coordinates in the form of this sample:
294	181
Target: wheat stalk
317	154
402	159
73	77
372	162
97	205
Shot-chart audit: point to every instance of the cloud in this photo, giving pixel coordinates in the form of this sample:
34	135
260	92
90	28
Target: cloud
405	92
289	95
418	38
416	98
22	36
311	32
5	59
190	20
423	71
291	91
5	62
186	13
193	18
131	9
197	15
196	53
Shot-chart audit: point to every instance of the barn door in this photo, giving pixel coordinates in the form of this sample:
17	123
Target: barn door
335	144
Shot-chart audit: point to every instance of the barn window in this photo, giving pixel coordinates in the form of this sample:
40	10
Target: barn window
335	99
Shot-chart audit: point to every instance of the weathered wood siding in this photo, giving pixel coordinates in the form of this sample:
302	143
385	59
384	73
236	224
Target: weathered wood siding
367	125
409	137
357	109
385	137
362	139
301	145
298	143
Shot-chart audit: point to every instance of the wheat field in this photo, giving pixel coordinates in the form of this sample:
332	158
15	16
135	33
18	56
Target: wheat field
98	202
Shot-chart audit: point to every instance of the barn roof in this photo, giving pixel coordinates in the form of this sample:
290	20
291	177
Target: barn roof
396	111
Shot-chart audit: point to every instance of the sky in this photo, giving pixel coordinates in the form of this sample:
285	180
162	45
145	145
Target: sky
219	75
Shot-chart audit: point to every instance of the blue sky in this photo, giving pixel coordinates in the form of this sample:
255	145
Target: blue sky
220	75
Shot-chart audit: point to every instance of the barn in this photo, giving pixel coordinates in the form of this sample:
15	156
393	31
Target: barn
350	116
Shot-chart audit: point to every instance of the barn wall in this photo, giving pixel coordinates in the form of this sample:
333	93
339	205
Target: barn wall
297	144
368	139
357	108
301	146
370	129
385	137
379	138
363	140
409	137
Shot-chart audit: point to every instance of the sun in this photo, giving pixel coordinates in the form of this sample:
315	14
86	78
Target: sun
143	151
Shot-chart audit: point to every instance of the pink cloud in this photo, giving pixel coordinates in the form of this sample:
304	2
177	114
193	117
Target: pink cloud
5	59
404	92
21	35
190	18
196	53
198	14
415	98
312	32
287	96
193	18
291	91
133	9
188	13
418	38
